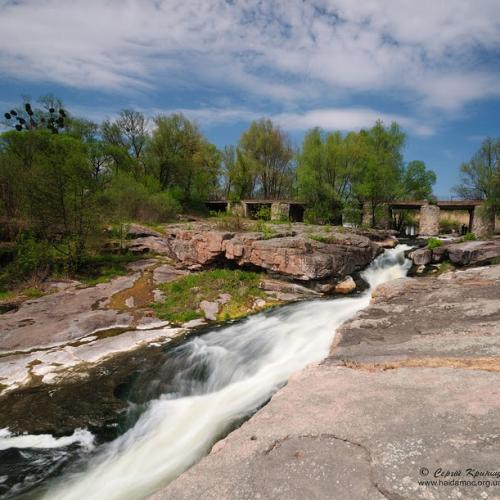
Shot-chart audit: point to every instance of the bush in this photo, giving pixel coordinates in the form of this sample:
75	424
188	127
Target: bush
263	213
144	201
469	237
316	215
448	226
228	222
433	243
267	231
34	260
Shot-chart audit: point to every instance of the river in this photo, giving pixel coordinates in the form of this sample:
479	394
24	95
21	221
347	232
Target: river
206	386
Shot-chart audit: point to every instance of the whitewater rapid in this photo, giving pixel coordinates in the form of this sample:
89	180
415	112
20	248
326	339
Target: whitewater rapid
223	376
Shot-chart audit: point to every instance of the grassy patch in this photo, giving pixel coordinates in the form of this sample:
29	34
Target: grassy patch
6	295
469	237
444	267
183	296
433	243
227	221
322	238
33	292
267	231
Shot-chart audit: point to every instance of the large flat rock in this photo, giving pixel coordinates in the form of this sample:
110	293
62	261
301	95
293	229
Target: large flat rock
409	394
336	433
456	315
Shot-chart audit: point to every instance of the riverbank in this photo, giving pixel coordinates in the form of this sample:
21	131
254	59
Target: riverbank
409	393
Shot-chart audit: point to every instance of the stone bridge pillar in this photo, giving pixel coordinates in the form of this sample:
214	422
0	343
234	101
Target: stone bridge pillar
280	210
483	222
367	214
237	208
429	220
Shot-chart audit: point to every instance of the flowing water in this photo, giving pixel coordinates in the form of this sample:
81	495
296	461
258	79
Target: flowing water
206	387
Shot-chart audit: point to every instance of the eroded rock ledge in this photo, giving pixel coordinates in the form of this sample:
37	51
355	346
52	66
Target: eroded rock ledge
306	253
411	386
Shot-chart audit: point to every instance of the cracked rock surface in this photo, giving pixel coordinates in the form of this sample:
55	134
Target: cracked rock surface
411	387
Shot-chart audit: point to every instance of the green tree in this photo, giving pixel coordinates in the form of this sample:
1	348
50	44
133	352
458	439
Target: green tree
328	165
381	177
266	151
417	181
182	159
480	176
127	137
57	192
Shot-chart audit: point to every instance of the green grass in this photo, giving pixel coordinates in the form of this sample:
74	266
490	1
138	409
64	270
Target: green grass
469	237
433	243
445	267
30	292
6	295
267	232
323	239
33	292
183	296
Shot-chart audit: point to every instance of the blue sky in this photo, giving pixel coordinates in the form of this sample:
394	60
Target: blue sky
339	64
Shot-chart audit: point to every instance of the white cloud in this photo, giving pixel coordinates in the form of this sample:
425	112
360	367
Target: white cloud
344	119
288	51
347	119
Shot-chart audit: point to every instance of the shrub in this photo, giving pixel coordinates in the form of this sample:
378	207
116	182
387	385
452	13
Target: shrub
143	200
316	215
469	237
228	222
34	260
433	243
263	213
267	231
448	226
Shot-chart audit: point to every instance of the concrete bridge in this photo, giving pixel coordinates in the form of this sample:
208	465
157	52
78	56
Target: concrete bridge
280	209
480	223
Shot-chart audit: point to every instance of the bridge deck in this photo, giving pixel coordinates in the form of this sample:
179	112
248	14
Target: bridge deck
442	204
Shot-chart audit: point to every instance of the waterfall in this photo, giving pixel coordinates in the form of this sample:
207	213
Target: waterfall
220	378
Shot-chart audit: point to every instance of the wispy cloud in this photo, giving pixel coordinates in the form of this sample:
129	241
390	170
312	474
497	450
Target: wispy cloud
286	50
326	118
347	119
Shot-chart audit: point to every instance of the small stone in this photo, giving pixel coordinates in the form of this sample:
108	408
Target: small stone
346	286
209	309
259	303
194	323
224	298
422	256
130	302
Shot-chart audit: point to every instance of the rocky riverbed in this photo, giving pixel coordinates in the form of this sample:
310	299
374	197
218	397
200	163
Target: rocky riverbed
409	393
63	337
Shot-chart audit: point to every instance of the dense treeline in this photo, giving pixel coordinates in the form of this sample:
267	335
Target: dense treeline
64	179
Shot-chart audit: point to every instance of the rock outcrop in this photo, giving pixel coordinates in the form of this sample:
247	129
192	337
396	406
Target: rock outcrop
410	388
296	254
466	253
